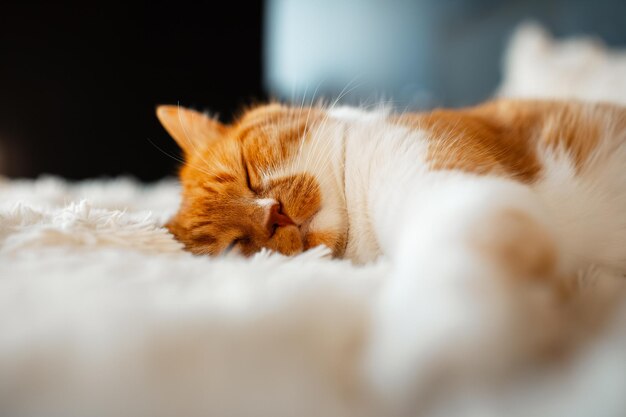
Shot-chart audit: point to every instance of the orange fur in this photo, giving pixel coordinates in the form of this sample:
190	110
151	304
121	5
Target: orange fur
502	137
223	174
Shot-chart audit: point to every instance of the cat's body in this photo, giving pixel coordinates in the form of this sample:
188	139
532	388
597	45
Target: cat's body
473	207
367	165
567	160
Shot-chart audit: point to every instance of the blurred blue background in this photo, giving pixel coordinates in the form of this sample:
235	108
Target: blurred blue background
415	53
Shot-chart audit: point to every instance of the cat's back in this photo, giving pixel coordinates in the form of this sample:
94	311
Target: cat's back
578	130
516	138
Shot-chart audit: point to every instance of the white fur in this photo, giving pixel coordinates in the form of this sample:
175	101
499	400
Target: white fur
266	202
589	207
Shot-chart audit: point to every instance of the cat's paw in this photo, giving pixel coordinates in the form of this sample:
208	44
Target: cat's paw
331	240
522	249
518	244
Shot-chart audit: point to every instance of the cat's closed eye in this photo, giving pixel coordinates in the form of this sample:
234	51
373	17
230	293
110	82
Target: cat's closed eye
247	173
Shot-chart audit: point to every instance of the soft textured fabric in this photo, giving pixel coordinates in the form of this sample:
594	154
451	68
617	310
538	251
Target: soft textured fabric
102	313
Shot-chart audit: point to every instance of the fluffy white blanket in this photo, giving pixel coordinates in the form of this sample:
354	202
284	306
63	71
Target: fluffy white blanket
103	314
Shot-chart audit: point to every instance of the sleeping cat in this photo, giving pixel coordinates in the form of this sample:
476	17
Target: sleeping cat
538	180
473	208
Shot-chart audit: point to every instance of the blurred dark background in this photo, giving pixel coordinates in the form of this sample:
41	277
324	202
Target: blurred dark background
79	82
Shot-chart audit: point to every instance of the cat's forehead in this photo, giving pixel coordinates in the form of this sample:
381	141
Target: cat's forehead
274	132
260	143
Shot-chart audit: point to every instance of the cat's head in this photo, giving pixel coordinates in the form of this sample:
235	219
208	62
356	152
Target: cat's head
266	181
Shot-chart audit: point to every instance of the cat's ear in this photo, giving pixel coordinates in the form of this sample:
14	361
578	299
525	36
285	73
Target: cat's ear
192	130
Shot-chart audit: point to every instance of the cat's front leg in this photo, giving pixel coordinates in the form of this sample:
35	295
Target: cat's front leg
477	276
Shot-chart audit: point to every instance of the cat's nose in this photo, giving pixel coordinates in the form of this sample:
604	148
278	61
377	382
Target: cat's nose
277	218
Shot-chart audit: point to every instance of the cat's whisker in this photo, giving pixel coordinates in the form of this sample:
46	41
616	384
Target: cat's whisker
311	105
322	161
177	159
346	90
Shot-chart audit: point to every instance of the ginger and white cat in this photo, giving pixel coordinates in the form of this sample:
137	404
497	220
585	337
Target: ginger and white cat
289	179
